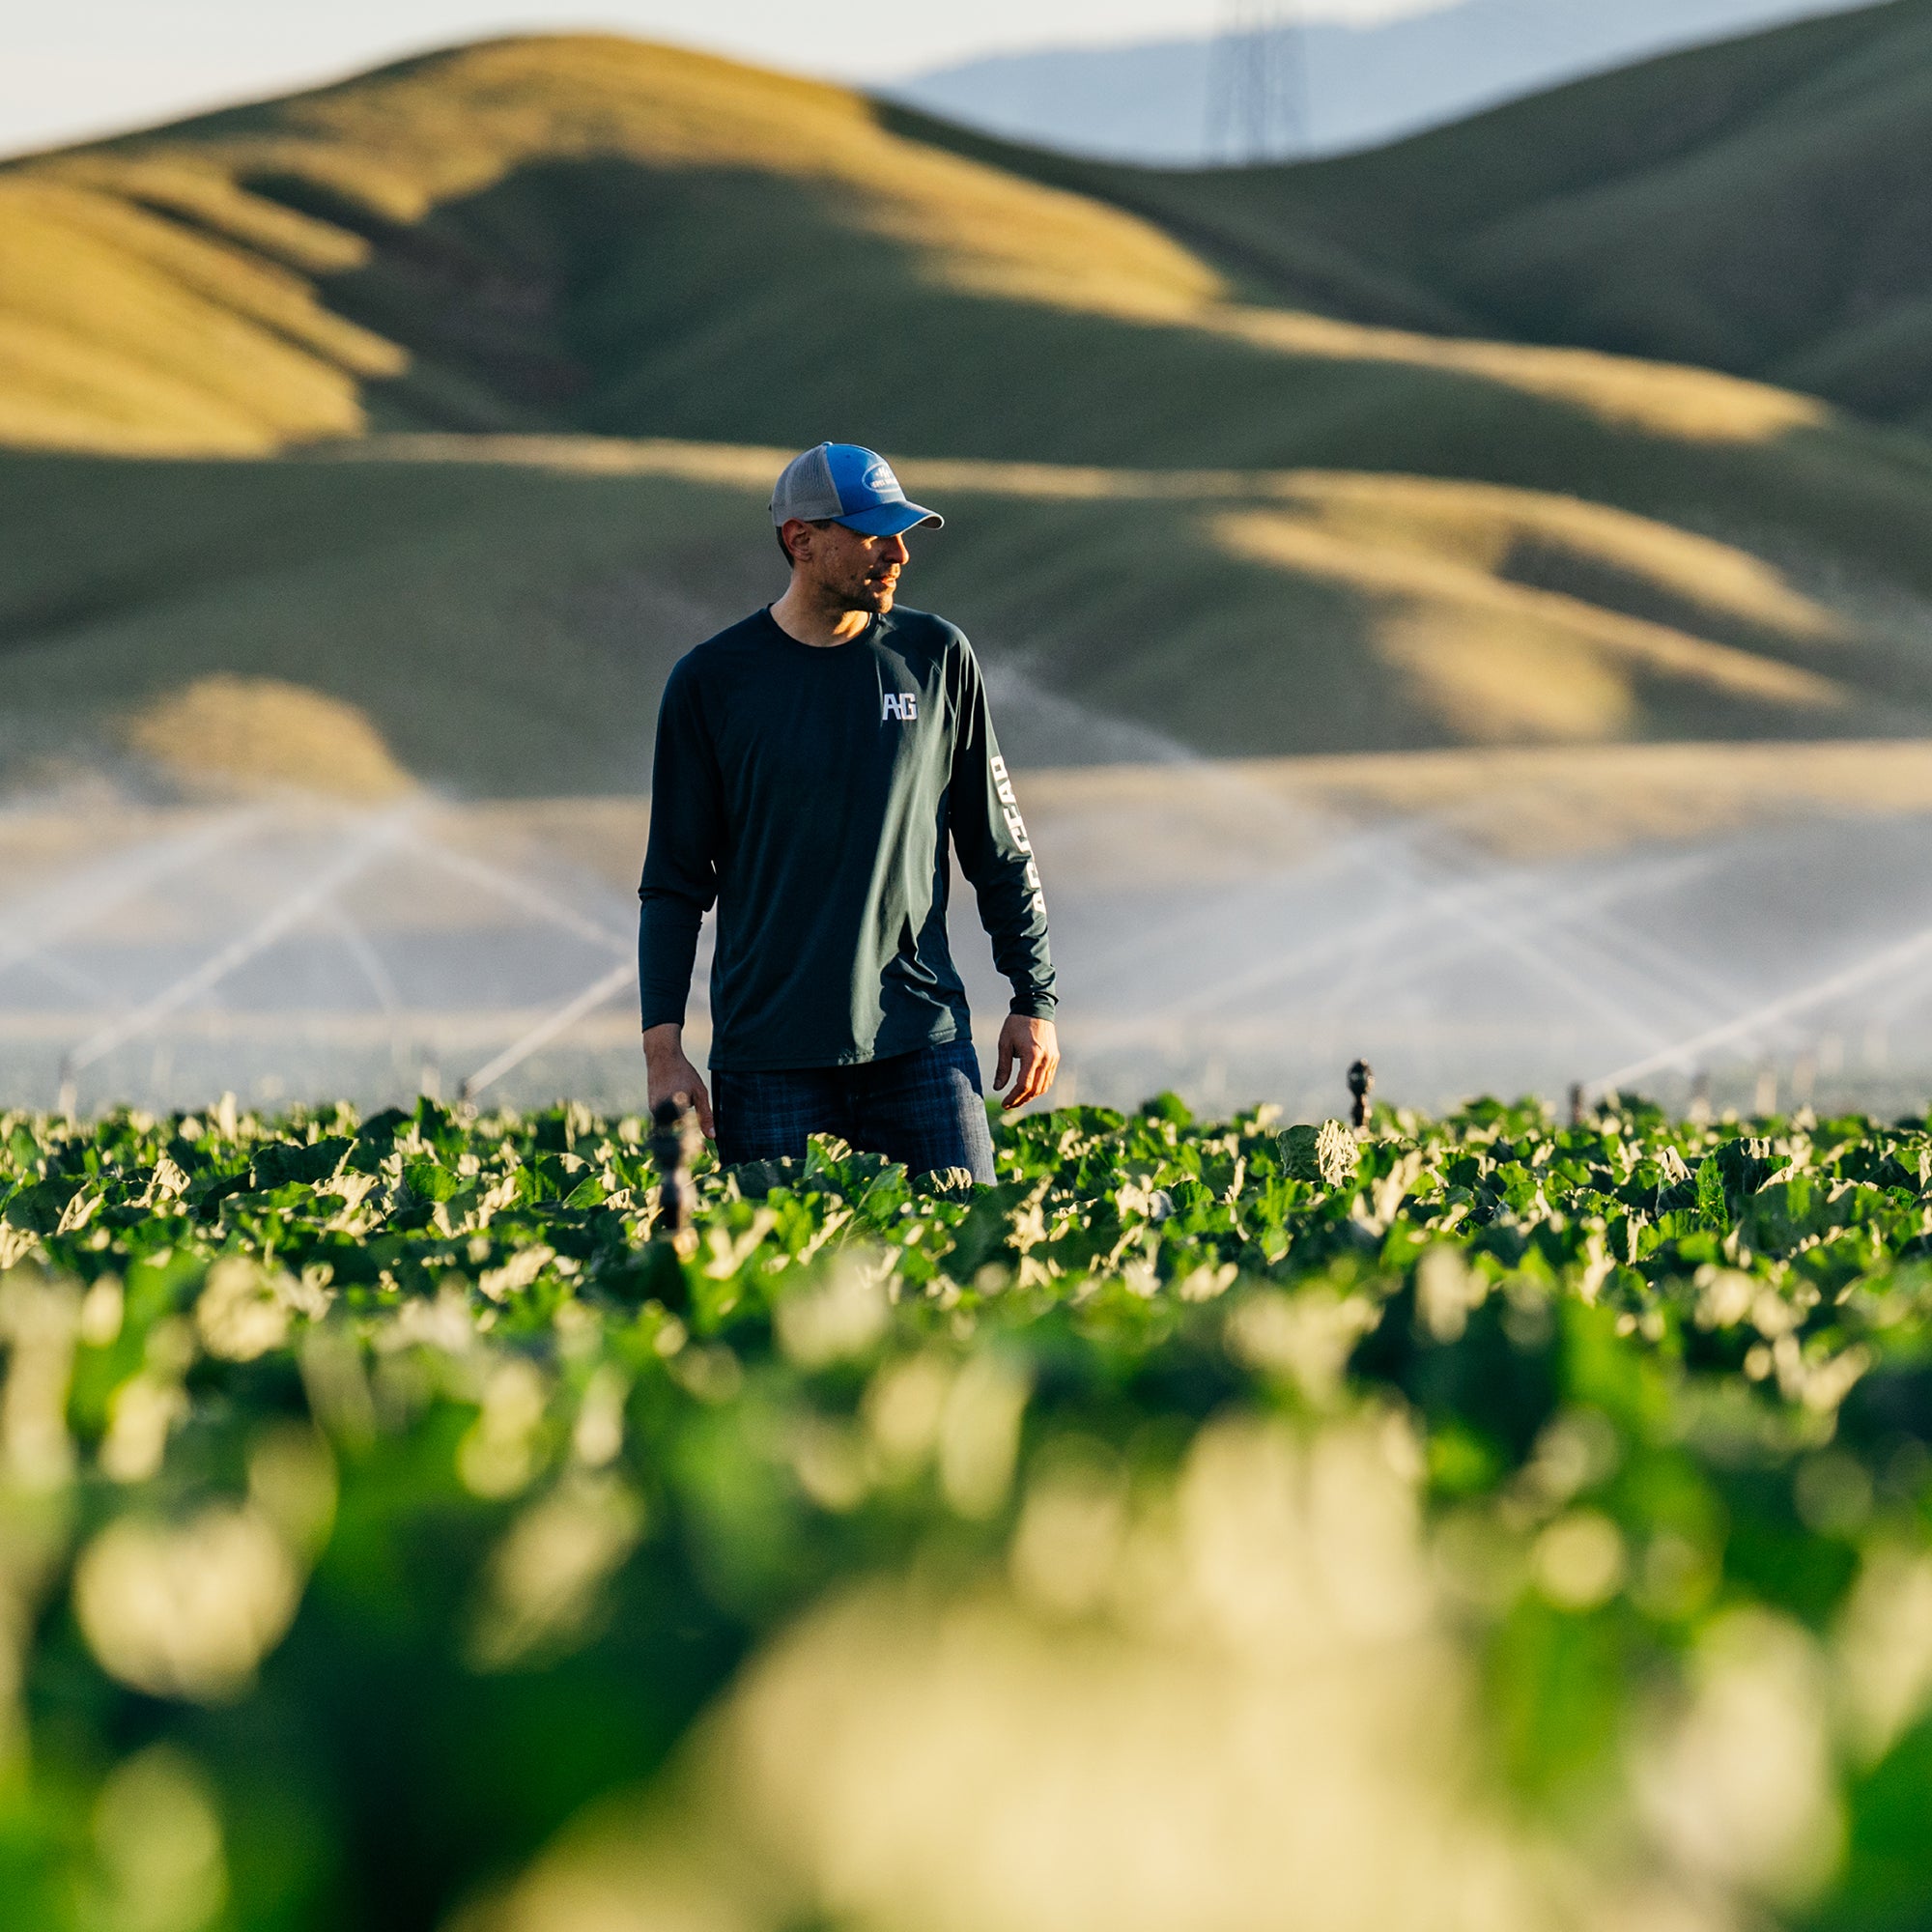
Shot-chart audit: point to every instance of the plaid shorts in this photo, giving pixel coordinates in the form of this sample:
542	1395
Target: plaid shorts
926	1109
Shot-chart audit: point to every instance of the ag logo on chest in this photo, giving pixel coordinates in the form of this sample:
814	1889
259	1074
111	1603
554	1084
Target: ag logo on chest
900	704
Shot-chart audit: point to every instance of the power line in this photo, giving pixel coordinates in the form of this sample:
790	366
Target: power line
1258	82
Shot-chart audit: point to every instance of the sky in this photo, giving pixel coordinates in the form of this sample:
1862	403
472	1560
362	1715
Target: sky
73	68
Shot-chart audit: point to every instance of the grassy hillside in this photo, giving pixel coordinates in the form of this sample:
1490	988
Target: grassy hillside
496	615
601	236
550	313
1763	206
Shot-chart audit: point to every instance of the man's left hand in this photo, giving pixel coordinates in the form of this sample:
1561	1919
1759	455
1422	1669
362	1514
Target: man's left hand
1029	1051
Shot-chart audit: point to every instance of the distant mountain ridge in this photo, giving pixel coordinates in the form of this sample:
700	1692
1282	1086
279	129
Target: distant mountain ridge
1149	102
1763	206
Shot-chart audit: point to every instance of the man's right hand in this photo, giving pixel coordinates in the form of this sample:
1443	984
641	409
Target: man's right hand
671	1072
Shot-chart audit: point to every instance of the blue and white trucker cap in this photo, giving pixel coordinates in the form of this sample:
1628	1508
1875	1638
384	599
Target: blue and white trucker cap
841	483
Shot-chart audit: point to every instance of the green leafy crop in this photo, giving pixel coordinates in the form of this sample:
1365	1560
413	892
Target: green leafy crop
1466	1523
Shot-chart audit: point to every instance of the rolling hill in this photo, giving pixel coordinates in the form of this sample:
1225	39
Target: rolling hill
437	409
500	614
1763	206
1360	82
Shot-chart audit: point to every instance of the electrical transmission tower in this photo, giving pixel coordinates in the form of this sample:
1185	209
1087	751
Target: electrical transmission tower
1258	82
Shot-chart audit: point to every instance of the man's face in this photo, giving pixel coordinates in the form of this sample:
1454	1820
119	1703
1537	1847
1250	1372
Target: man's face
850	572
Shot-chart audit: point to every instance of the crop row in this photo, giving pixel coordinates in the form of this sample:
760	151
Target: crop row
397	1532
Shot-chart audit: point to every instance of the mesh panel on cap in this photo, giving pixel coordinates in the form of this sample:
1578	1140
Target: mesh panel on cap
805	489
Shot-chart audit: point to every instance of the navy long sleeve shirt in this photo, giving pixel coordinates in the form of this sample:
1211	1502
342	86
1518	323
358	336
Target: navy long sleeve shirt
809	793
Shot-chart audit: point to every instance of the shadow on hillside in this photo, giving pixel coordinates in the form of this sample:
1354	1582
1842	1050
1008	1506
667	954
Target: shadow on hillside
741	305
506	626
506	630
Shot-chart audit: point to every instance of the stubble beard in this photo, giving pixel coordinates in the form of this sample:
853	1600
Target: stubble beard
868	594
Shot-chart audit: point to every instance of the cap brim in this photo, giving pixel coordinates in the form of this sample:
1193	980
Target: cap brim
891	519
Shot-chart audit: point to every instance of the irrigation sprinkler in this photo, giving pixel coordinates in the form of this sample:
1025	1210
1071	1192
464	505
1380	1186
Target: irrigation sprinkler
1361	1084
674	1144
1701	1096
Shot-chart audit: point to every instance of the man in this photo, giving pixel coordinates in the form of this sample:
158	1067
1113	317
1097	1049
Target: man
812	762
